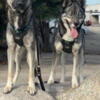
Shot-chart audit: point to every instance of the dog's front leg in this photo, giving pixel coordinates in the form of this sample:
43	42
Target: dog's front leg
75	66
81	64
10	53
30	59
54	65
51	77
58	47
63	67
18	57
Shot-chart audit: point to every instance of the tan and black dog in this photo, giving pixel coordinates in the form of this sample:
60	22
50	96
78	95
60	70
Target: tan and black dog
20	34
70	39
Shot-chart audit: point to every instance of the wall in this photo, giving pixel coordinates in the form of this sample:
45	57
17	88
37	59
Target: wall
93	13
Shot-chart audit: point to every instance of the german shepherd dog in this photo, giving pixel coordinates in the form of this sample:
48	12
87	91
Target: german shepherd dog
20	33
70	39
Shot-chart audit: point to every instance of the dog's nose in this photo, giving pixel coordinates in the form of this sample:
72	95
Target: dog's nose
20	4
76	24
17	4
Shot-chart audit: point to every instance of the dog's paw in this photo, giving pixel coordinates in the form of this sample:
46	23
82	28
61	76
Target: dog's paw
7	89
75	83
31	90
50	81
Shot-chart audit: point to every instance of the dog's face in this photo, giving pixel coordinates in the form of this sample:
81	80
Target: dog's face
18	5
73	13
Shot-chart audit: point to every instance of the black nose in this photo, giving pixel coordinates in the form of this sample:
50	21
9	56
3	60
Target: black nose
17	4
20	4
76	23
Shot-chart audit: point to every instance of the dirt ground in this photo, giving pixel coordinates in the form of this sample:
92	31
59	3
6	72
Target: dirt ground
92	65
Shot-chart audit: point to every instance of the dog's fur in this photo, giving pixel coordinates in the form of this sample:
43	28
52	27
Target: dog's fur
19	20
73	15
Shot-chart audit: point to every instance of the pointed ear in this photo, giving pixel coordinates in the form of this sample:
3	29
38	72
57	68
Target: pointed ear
66	3
83	3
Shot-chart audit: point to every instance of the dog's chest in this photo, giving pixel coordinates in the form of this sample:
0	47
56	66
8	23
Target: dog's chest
16	26
16	20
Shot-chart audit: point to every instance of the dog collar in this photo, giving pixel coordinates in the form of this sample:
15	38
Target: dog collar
20	31
19	34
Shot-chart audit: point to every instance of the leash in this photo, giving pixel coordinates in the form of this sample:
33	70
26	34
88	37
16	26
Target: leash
37	68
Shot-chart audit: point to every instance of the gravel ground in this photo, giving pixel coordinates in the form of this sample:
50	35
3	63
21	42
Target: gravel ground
89	90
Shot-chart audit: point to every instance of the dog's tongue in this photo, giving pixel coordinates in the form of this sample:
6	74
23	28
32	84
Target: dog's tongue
74	32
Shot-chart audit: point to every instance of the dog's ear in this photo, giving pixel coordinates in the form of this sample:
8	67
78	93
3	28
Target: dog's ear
83	3
66	3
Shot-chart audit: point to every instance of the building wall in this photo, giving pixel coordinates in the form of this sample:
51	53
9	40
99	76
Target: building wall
93	13
95	19
93	7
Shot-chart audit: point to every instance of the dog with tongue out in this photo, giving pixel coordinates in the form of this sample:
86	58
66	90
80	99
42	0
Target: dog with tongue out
70	39
74	33
68	34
